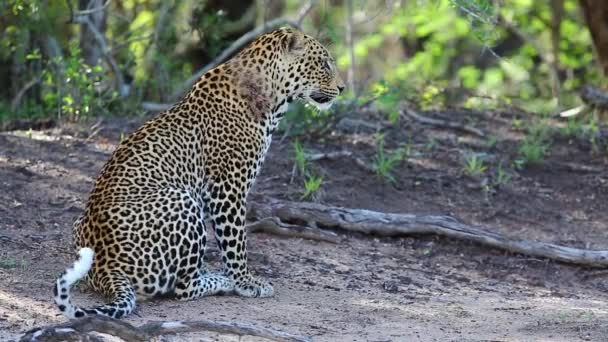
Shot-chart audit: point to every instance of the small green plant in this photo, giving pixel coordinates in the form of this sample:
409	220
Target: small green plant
387	98
12	263
300	157
574	128
303	119
431	144
492	141
312	184
430	97
517	124
474	166
534	147
593	130
386	162
531	151
502	177
71	88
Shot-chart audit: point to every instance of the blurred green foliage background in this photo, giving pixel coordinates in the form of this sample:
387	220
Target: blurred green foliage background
473	53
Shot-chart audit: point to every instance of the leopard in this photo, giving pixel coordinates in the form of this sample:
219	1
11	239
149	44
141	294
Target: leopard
143	231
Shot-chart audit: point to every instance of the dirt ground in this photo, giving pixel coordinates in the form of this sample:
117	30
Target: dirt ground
418	288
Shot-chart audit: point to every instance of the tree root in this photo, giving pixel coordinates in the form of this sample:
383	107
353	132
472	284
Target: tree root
89	329
323	218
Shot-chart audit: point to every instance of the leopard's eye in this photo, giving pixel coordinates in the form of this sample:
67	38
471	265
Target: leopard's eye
327	65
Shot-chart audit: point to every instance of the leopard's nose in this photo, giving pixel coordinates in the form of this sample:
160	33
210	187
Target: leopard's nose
340	88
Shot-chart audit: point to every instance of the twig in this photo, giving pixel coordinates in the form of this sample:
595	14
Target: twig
316	215
581	168
239	43
303	12
84	328
155	106
14	241
364	165
472	13
328	155
273	225
92	10
440	123
17	100
126	43
95	129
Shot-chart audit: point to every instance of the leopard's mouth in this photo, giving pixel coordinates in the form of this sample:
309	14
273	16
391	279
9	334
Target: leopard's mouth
320	98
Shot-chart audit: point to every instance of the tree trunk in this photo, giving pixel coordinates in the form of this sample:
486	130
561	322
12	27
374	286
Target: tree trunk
88	45
596	15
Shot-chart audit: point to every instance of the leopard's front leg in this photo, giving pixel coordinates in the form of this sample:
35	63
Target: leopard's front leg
227	207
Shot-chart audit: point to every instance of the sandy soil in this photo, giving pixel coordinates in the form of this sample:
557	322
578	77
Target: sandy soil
419	288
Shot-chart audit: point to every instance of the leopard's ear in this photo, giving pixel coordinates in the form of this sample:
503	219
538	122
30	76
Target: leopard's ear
294	43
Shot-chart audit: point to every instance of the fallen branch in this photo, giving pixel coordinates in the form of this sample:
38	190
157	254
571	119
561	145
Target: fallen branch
440	123
319	216
239	43
581	168
273	225
594	96
84	329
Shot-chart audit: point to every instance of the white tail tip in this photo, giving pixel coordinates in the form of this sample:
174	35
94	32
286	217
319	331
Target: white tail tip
81	266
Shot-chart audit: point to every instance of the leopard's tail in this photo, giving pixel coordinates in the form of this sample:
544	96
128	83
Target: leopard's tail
123	302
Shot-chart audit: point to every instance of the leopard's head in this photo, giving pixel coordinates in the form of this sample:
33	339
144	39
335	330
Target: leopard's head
283	65
309	71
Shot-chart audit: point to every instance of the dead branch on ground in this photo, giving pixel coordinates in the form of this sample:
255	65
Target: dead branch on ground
85	329
370	222
440	123
594	96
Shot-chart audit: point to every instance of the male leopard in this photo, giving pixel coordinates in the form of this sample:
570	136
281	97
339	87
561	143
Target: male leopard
143	229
